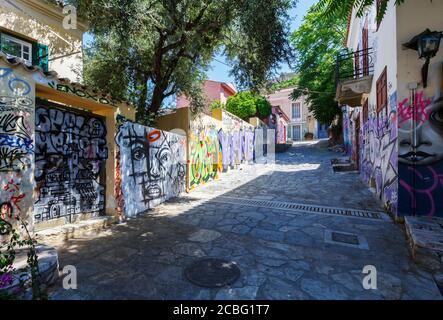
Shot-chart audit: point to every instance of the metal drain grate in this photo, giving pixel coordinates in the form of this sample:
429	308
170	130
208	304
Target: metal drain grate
297	207
345	238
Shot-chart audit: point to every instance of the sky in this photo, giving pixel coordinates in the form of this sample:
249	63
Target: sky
219	71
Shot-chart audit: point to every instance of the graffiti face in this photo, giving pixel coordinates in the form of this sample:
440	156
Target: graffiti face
152	166
151	158
423	145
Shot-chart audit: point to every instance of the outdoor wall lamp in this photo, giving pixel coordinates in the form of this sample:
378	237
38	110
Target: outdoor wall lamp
427	44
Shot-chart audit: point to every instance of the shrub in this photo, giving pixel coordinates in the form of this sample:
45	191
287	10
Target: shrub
246	105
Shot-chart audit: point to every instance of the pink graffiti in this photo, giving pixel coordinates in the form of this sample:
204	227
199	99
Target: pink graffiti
405	110
437	182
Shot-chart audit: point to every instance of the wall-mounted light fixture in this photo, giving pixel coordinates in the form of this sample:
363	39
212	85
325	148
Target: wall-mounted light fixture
427	44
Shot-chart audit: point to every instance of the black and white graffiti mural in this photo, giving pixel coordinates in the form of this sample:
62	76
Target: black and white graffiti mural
70	158
153	166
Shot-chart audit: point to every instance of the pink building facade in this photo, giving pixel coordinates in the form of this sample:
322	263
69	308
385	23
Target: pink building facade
278	120
213	90
300	119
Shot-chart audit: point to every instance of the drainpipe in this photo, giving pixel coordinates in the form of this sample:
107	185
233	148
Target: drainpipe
413	138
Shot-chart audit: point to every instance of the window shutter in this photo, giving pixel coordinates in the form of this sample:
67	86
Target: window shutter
40	55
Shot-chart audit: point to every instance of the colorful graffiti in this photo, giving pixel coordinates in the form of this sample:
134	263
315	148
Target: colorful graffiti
205	156
16	144
421	156
152	164
378	155
70	161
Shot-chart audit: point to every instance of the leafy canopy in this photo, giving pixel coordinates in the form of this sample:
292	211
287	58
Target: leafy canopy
336	7
146	51
247	104
317	42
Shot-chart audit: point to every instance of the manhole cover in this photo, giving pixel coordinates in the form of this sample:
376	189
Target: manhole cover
345	238
212	273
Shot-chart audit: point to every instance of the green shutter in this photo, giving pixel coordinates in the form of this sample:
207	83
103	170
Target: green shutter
40	55
43	54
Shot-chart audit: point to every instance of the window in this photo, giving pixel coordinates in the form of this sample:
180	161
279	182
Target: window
382	91
32	53
365	44
296	132
296	110
17	48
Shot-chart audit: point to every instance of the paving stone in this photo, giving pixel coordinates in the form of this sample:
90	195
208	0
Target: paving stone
281	254
241	229
188	249
271	262
276	289
245	293
321	290
267	235
204	235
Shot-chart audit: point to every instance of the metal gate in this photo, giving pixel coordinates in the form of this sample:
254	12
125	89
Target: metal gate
70	158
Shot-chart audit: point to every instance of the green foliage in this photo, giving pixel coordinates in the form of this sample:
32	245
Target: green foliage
337	7
242	105
217	104
145	51
247	104
264	108
7	258
317	43
293	82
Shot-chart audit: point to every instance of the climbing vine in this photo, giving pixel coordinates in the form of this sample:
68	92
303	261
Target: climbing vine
7	257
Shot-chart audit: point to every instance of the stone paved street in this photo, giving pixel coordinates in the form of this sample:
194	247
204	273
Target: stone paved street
282	254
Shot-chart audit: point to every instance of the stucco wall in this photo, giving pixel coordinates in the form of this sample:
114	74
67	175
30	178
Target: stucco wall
376	149
213	91
420	180
46	28
284	101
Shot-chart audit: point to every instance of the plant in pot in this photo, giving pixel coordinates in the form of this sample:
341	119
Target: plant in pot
309	136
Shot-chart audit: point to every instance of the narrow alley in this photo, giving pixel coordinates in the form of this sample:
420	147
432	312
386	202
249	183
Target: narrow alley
284	226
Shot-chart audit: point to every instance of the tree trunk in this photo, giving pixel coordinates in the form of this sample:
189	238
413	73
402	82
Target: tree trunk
141	108
157	99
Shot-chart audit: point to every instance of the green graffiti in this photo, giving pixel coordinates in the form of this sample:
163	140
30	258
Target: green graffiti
205	157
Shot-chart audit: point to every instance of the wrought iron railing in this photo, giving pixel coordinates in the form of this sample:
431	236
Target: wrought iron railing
354	65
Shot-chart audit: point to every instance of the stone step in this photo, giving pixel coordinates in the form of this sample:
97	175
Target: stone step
425	237
73	230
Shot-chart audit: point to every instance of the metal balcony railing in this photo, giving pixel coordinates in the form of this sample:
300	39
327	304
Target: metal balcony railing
354	65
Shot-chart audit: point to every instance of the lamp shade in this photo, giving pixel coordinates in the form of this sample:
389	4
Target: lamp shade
428	44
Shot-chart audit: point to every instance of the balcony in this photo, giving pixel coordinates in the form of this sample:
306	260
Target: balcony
354	72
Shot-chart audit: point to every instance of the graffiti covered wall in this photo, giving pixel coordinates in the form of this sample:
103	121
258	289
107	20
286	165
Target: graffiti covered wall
420	159
378	154
205	156
70	159
152	166
16	144
217	146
